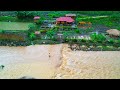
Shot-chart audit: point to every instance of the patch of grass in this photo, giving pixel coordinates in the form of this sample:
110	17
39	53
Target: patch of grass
14	26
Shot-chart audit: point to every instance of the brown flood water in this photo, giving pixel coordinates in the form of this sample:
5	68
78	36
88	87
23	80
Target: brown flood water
31	61
63	63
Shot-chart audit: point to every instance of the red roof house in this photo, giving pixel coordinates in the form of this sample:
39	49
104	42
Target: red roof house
36	18
64	20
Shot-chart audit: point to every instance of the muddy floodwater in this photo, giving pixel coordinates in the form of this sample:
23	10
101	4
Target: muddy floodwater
31	61
59	62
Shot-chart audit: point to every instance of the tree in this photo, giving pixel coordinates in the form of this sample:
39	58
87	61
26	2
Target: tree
97	37
77	31
40	21
32	36
25	15
50	33
65	34
32	28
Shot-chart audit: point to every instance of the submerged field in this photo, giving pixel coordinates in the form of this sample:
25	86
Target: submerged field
14	25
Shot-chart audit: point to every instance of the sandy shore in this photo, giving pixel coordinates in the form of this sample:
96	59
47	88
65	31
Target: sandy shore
63	63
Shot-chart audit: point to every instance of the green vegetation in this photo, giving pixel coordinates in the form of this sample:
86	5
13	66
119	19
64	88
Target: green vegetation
23	24
77	31
50	33
25	15
32	36
97	13
8	18
98	37
14	25
111	20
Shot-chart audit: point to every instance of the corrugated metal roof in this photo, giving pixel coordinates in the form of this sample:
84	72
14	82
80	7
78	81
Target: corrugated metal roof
67	19
70	15
36	17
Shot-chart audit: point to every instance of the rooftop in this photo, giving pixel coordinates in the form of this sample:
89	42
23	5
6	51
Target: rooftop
67	19
70	15
36	17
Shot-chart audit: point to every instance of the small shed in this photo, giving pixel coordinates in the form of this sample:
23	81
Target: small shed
36	19
38	35
113	32
73	16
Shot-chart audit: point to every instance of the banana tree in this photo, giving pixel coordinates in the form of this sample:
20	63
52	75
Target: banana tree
32	36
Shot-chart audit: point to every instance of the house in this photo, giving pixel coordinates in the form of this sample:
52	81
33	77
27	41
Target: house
36	19
64	20
73	16
113	32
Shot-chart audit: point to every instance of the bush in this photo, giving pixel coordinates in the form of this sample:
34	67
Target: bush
40	21
50	33
89	29
32	36
2	31
77	31
98	37
32	27
8	18
43	31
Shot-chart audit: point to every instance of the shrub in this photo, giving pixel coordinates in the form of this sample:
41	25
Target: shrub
74	40
32	36
109	24
89	29
2	31
43	31
98	37
119	48
32	27
77	31
50	33
40	21
7	18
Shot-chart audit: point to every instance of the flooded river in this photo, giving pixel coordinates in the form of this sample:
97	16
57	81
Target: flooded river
58	61
31	61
